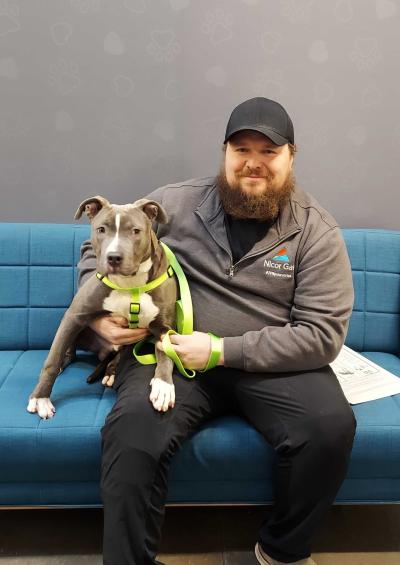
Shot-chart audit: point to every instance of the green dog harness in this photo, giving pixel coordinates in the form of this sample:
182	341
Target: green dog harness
184	316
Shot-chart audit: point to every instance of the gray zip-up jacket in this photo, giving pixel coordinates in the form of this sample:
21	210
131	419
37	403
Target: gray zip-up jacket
285	305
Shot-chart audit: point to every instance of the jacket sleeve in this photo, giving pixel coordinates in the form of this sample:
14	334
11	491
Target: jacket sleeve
322	305
87	262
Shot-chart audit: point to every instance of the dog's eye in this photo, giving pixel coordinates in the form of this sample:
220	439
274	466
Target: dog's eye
136	230
101	229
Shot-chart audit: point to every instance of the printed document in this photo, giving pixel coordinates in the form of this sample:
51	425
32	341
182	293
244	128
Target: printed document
361	379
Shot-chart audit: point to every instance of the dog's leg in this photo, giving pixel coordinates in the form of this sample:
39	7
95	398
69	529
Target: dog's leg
70	356
109	376
101	368
162	394
39	400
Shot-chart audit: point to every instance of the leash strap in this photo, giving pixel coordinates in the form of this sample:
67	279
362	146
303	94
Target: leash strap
184	320
184	312
216	349
172	354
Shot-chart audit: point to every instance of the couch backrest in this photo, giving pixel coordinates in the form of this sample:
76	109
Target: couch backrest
375	262
38	281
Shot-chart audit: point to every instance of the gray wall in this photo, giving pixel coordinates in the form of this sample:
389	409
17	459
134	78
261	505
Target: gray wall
117	97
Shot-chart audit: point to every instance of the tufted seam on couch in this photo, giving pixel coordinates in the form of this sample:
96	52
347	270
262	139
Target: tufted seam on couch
29	288
11	368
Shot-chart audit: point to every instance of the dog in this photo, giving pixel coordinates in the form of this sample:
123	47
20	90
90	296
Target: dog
129	254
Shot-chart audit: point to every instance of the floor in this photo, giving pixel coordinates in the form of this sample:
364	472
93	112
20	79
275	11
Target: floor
350	535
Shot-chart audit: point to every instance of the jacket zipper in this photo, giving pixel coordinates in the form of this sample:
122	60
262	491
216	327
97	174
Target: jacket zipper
233	267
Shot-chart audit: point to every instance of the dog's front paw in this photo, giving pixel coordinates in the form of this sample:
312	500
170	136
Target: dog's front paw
42	406
162	395
108	380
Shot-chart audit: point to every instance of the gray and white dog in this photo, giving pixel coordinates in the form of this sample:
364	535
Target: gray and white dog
129	254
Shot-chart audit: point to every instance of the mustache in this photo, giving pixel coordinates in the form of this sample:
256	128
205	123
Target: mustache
249	172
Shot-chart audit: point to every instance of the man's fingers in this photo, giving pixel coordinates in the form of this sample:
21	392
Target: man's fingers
131	336
119	321
175	338
177	348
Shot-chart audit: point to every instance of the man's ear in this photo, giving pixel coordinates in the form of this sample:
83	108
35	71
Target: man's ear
91	206
153	210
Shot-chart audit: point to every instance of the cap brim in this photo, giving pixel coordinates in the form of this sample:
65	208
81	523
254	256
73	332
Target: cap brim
268	132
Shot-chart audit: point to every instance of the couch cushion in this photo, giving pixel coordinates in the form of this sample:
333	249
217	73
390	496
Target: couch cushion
66	448
228	459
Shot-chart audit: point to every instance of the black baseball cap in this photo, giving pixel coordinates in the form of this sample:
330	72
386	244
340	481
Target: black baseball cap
263	115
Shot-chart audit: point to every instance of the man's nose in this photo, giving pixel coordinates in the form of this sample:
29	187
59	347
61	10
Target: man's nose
114	259
253	162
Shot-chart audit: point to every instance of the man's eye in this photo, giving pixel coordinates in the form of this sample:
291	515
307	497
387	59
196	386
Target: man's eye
101	229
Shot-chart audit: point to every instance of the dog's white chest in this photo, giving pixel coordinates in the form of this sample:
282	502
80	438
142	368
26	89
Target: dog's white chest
118	303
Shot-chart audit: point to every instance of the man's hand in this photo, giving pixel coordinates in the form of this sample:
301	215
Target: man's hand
193	350
114	329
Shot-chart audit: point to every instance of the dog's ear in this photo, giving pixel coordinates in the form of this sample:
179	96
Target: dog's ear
91	206
153	210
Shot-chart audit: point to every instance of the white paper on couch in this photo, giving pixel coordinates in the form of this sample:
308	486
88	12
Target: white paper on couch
361	379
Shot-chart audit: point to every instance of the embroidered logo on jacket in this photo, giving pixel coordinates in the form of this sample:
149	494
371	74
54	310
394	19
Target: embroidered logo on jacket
282	269
282	255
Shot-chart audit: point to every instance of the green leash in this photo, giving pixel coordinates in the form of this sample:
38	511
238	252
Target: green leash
184	317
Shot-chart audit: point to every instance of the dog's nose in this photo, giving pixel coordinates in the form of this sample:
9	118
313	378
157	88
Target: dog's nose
114	259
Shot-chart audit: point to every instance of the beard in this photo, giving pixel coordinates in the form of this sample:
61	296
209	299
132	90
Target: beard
263	207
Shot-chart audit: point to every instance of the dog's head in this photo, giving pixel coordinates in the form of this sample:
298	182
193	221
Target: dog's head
122	235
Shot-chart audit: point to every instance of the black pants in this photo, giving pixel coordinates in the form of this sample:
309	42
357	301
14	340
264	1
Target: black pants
303	415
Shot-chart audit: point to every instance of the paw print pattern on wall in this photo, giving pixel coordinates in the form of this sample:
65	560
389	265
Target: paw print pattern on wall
385	9
344	11
9	17
64	76
297	10
113	44
123	86
61	32
218	26
135	6
179	4
271	41
173	90
366	53
85	6
163	46
371	96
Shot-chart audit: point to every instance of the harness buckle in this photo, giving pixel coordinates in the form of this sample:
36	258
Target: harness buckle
134	307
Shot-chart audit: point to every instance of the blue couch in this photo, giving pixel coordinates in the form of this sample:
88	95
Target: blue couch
56	462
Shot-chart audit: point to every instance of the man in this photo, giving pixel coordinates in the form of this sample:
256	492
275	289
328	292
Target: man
269	273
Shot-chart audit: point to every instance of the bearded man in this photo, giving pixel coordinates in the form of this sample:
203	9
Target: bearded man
268	273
